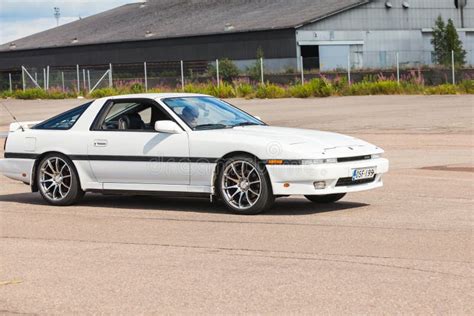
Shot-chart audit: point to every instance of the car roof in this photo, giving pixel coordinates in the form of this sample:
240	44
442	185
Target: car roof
157	96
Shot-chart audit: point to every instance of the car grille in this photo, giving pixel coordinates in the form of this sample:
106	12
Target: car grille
347	159
342	182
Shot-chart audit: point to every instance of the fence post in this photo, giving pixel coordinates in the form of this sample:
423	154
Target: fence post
44	79
398	69
10	81
84	84
89	79
302	70
78	80
146	76
111	83
36	76
47	77
452	67
182	75
217	72
349	68
261	70
23	77
62	81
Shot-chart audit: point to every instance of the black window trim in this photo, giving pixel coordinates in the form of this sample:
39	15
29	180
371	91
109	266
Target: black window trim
95	126
38	126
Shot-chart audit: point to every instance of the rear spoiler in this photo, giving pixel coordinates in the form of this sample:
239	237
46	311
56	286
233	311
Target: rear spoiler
22	125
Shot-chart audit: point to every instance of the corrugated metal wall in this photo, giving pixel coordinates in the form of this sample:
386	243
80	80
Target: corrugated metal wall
384	32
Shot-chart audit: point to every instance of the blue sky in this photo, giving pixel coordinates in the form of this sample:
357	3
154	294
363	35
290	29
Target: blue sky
20	18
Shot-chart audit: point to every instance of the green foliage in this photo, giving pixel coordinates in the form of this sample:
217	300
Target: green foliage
228	71
270	91
372	88
224	91
467	86
442	89
102	93
301	91
244	90
445	41
438	41
255	71
137	88
321	88
453	43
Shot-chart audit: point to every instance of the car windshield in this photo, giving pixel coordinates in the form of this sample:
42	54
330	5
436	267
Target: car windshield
203	113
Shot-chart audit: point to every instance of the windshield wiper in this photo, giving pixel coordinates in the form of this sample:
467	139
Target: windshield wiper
245	124
210	126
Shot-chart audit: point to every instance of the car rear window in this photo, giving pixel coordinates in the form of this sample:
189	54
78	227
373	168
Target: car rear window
64	120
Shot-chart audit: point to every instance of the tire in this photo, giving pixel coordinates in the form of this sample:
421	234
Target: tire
330	198
58	181
244	186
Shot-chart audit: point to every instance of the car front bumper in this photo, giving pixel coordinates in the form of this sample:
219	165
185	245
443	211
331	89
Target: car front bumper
300	179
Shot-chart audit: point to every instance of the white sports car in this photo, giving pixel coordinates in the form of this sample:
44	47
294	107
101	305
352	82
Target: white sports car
188	143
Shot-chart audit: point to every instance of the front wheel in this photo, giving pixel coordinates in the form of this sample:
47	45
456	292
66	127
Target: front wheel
329	198
58	181
244	187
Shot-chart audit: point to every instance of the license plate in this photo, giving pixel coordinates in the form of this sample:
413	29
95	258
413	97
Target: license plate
363	173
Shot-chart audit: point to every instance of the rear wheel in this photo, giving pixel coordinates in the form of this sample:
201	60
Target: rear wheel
58	181
329	198
244	187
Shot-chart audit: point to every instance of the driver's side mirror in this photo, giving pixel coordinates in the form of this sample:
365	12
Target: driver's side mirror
167	127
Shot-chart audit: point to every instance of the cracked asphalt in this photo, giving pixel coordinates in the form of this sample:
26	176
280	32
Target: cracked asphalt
404	249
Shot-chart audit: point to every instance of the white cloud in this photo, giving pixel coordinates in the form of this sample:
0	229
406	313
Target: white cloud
20	18
12	31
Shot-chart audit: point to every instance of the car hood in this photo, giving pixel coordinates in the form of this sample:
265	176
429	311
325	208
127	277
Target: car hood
289	141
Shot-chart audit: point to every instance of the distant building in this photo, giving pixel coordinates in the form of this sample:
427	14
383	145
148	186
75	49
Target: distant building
323	32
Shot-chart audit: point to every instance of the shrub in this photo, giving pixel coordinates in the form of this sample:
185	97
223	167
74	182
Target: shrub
228	71
225	90
270	91
102	93
137	88
301	91
31	94
442	89
244	90
372	88
466	86
321	87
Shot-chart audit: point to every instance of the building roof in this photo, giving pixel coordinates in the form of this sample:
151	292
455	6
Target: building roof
158	19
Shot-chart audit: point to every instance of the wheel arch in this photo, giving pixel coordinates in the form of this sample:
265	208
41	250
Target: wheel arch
221	161
33	184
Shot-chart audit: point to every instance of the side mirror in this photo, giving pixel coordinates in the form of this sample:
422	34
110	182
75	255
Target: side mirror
167	127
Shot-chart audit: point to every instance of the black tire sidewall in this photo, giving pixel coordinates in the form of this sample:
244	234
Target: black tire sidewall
74	194
266	197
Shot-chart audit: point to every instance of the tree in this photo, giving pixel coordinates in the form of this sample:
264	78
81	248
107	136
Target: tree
438	40
254	71
453	43
228	71
445	40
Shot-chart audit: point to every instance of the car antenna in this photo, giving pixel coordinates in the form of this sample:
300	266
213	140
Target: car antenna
13	116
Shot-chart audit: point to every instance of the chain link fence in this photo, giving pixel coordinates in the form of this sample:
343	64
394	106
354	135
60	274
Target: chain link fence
354	66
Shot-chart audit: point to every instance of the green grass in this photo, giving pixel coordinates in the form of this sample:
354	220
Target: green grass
318	87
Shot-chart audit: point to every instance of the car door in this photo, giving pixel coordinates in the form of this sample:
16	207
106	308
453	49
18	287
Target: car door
136	153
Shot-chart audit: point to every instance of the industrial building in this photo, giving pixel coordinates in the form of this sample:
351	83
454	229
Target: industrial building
328	34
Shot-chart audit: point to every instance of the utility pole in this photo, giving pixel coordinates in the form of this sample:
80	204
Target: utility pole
57	15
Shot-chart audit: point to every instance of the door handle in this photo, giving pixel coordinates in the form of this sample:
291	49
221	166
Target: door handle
100	143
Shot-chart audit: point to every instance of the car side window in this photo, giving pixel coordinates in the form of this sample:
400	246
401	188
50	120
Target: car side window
131	115
64	120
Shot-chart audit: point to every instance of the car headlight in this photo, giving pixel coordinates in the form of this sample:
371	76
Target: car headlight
319	161
376	156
